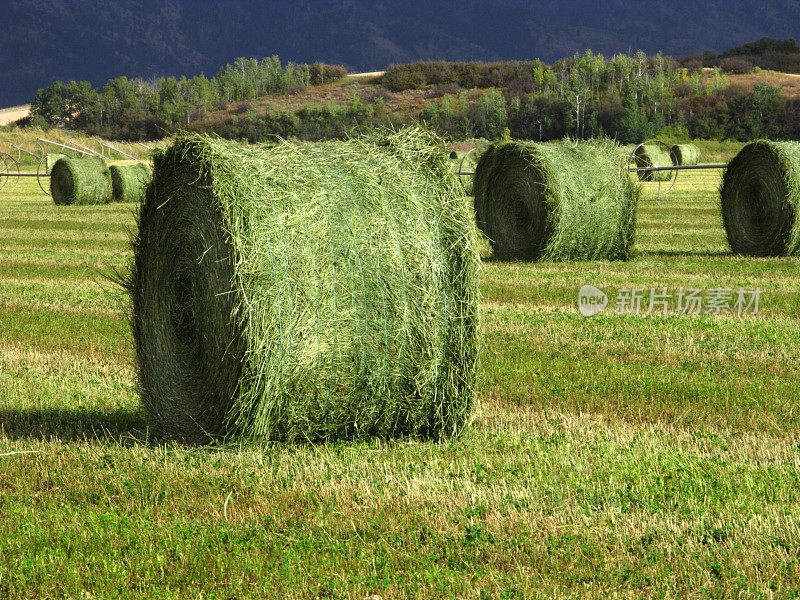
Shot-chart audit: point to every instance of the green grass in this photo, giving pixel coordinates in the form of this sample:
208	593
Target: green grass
639	456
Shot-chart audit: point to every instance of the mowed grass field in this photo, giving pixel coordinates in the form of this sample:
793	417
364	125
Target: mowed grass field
621	455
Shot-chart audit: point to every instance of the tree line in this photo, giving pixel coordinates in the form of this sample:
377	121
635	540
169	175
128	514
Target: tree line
145	109
630	98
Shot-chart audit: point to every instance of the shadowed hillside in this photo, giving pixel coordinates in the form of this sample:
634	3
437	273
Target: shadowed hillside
95	40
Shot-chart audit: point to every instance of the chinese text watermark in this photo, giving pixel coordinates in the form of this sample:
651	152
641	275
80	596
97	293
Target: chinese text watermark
663	301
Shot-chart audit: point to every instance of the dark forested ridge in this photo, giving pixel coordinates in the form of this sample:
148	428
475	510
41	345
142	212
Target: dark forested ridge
95	40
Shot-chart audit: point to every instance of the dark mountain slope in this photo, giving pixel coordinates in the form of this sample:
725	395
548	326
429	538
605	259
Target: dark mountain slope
44	40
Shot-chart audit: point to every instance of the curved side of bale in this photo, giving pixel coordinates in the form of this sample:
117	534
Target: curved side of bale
653	155
306	292
51	159
80	181
129	182
558	201
760	199
686	154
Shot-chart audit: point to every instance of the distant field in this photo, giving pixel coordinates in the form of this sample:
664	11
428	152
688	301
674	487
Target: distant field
622	455
14	113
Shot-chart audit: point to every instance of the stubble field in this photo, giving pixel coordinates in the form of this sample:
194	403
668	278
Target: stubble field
636	455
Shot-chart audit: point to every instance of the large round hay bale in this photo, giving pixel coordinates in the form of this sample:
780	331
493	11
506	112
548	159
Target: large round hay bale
305	292
558	201
52	159
80	181
686	154
653	155
760	197
129	182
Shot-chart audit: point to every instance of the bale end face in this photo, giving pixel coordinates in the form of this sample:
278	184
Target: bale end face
760	198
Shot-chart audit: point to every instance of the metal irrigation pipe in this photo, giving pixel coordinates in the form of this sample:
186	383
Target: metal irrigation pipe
92	152
678	168
63	146
24	175
116	150
461	166
4	179
37	157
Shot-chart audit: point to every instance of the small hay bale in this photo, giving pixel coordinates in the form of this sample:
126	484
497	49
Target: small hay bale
305	291
80	181
129	182
760	198
52	159
686	154
653	155
557	201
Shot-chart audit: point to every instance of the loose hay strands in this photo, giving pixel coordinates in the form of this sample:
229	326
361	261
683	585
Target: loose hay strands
760	197
129	182
560	201
686	154
80	181
652	155
306	291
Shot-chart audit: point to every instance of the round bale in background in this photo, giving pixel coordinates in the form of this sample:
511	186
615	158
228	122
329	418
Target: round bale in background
653	155
558	201
129	182
80	181
760	197
305	291
686	154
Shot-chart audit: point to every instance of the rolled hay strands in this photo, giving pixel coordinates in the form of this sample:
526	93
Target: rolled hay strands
556	201
80	181
760	199
129	182
51	159
305	292
686	154
652	155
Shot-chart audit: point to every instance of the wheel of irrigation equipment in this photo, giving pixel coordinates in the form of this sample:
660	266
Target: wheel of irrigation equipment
632	157
7	166
41	175
461	167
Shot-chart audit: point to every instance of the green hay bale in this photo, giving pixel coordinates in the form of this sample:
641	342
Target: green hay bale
52	159
653	155
305	292
686	154
760	197
129	182
560	201
80	181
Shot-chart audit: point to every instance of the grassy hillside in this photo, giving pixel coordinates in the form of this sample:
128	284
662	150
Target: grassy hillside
632	455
